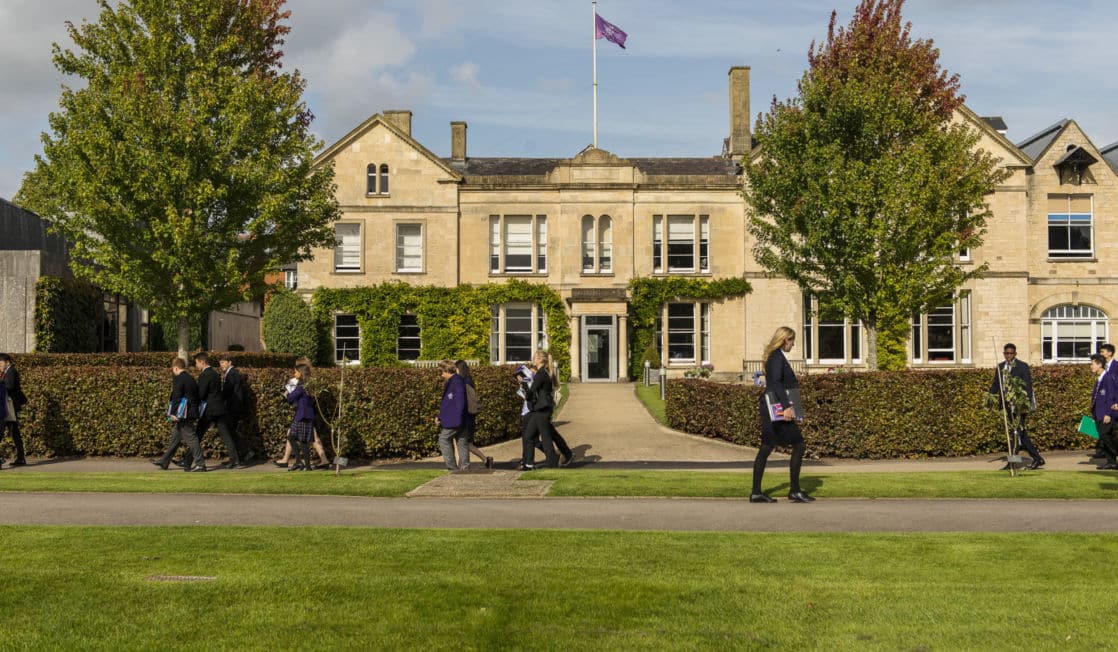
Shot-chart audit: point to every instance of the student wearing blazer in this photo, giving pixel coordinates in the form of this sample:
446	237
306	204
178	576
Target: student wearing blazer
779	378
216	412
183	387
1016	368
9	375
1103	412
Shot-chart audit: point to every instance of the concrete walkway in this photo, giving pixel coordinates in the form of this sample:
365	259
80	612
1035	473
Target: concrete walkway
674	514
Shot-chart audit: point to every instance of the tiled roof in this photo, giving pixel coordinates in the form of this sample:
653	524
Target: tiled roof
1110	155
1034	145
714	165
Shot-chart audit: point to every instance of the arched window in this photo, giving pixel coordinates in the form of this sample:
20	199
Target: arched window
588	249
383	179
1071	333
605	244
371	179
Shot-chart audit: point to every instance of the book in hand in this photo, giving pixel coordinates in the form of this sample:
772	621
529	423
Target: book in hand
776	410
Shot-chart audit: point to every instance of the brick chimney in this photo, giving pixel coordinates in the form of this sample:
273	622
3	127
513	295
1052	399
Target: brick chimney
740	139
400	119
458	141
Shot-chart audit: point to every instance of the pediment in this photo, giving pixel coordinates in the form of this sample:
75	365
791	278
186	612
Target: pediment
594	156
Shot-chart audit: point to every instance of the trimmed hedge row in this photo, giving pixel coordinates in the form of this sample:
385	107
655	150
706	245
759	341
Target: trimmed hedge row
389	412
157	359
901	414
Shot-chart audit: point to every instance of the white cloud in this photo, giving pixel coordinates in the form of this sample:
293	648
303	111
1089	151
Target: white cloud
466	73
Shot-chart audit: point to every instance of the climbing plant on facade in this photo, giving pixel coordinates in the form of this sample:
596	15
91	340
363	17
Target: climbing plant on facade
648	296
454	322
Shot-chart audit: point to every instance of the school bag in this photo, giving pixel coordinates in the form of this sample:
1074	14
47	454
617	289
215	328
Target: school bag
473	405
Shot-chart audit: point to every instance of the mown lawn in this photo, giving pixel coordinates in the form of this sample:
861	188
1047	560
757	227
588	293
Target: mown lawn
650	397
385	484
938	484
330	588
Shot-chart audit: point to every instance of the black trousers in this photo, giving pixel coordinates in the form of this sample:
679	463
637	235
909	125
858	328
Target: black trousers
1108	444
1022	435
559	442
182	432
537	428
227	429
13	428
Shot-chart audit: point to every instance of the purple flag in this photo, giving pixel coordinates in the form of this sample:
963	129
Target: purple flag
610	32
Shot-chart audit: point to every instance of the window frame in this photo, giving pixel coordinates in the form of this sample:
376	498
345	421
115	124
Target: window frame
596	236
371	179
422	268
1049	344
499	245
338	351
382	188
853	334
360	245
662	243
401	336
499	333
1069	222
701	316
961	323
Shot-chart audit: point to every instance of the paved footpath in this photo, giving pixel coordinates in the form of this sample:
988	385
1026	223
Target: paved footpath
676	514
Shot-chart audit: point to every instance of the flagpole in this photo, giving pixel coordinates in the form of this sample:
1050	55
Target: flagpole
594	34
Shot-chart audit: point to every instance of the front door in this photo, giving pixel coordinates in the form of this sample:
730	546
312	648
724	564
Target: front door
599	350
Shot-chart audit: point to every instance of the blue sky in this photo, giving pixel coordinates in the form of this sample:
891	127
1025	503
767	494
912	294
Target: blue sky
519	72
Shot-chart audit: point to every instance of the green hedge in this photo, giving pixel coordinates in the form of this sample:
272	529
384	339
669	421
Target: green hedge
289	325
121	411
162	360
67	315
898	414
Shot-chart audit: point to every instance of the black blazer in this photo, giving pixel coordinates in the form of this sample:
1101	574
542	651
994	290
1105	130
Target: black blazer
183	386
233	392
779	377
540	392
1018	370
209	392
11	383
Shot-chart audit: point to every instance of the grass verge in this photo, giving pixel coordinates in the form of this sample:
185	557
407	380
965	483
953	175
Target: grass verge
341	588
350	483
650	397
938	484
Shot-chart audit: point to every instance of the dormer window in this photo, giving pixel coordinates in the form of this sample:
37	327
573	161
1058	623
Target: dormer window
1073	166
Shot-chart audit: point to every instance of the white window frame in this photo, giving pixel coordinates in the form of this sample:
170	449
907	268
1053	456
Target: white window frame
699	232
371	179
354	341
699	331
853	336
596	234
401	337
1070	220
499	244
291	279
961	332
342	254
1068	316
499	333
402	249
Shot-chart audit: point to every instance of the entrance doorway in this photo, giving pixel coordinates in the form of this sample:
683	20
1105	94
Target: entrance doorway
599	348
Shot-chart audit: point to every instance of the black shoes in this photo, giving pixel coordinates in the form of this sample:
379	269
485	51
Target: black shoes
761	498
488	462
800	497
565	460
294	467
1109	466
232	465
19	462
159	464
526	467
282	465
1037	463
195	469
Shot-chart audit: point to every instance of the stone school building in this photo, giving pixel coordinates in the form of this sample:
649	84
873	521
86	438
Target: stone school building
588	224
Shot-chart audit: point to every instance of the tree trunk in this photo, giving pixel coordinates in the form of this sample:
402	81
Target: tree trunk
184	336
871	348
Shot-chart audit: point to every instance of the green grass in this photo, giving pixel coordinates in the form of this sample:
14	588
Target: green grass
650	397
329	588
938	484
350	483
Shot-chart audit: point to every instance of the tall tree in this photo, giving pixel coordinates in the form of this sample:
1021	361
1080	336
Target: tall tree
181	171
868	184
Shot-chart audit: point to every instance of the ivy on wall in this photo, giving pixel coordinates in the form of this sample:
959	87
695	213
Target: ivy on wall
648	296
454	322
67	314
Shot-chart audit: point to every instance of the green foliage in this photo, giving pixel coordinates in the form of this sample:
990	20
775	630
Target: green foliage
1016	397
867	187
122	411
160	360
454	322
647	298
289	326
891	414
179	164
67	313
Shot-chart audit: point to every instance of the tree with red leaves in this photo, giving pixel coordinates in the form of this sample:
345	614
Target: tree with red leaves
869	182
181	170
